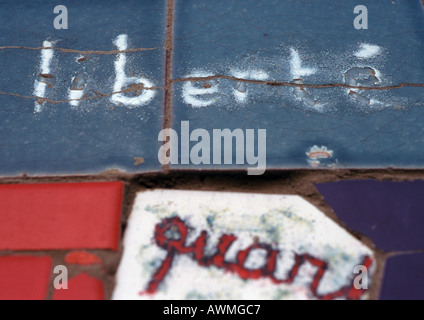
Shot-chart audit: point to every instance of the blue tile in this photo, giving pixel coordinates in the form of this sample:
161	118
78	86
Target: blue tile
403	278
315	127
389	213
101	131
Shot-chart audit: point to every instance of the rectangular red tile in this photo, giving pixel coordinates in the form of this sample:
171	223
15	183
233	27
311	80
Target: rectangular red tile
60	216
81	287
24	277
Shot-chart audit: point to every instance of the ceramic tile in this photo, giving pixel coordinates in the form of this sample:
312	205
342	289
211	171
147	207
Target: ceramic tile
24	277
242	66
216	245
63	110
403	278
390	213
81	287
60	216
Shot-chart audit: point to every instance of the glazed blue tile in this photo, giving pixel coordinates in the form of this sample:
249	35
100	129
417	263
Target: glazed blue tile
97	134
403	278
389	213
263	39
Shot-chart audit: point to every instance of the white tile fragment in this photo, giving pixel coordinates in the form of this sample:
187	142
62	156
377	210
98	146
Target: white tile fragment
288	225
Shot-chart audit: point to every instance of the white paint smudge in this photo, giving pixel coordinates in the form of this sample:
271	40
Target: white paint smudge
297	73
75	95
76	92
316	152
358	97
255	74
40	86
241	91
375	102
320	157
121	81
296	69
190	92
241	97
80	58
367	51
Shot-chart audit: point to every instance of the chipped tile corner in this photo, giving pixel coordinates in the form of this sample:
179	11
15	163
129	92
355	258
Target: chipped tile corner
222	245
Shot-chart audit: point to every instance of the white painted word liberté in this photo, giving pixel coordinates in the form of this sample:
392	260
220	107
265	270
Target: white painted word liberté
200	96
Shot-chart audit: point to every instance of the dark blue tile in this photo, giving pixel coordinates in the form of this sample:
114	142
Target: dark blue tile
403	278
390	213
317	127
101	131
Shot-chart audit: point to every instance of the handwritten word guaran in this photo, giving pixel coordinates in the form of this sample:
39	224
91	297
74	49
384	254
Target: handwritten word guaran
176	247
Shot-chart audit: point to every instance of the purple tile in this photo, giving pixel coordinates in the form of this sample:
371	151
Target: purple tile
404	278
390	213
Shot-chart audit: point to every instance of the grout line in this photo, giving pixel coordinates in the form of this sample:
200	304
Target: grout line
404	252
169	46
83	52
299	85
134	87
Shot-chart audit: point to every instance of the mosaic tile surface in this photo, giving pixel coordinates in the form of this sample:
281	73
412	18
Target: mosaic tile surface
54	216
390	213
209	245
403	278
328	95
24	277
63	110
81	287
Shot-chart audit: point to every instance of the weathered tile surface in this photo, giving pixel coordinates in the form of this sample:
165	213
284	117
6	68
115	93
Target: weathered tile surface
390	213
101	130
403	278
81	287
212	245
60	216
24	277
281	41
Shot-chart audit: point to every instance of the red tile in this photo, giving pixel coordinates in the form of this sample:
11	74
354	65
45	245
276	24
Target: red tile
24	277
81	287
82	258
60	216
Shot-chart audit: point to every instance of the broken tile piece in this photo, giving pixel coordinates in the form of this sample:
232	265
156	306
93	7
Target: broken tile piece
24	277
70	102
390	213
216	245
81	287
303	84
403	277
60	216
